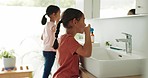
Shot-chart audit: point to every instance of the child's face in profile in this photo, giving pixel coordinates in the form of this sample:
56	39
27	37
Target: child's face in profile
58	16
81	25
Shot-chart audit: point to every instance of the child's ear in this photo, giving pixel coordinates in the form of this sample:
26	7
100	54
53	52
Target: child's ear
54	14
75	21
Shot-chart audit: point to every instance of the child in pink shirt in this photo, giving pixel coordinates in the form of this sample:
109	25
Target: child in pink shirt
48	37
68	48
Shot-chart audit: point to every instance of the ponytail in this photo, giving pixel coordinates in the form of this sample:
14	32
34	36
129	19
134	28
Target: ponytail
56	44
49	11
44	20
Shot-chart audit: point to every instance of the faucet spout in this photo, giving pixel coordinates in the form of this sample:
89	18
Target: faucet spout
128	42
122	40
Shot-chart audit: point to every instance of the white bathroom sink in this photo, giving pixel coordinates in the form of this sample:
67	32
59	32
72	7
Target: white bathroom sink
106	63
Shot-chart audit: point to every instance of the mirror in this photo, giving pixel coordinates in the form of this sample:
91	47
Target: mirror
122	8
116	8
110	8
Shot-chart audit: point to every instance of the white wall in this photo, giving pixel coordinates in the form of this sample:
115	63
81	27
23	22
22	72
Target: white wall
146	71
90	8
141	7
111	29
86	7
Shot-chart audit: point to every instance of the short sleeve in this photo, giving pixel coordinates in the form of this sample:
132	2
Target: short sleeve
73	45
53	28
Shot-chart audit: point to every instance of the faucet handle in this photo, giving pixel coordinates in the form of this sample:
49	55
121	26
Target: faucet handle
127	35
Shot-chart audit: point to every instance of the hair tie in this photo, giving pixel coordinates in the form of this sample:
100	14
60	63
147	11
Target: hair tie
60	21
45	15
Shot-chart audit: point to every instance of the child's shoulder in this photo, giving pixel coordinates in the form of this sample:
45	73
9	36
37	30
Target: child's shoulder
67	35
51	24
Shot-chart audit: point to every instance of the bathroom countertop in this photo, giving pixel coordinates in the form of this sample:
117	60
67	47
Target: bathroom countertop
86	74
132	77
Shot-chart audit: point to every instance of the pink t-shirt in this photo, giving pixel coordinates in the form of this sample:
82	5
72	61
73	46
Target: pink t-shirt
49	36
68	58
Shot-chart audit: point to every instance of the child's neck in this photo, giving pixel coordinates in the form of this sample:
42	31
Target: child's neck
70	31
51	20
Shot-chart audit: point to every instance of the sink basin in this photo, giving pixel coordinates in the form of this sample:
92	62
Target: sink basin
106	63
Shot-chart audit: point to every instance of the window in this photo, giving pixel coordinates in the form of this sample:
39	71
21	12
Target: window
38	3
21	29
21	19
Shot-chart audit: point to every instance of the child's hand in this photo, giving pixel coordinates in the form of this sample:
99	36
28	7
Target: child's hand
87	28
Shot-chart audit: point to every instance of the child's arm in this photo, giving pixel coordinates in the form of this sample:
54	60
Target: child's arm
86	50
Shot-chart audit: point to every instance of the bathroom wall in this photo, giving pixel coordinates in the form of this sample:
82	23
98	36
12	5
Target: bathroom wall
146	70
111	28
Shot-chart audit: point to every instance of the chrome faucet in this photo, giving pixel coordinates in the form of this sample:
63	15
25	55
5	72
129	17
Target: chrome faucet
128	42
